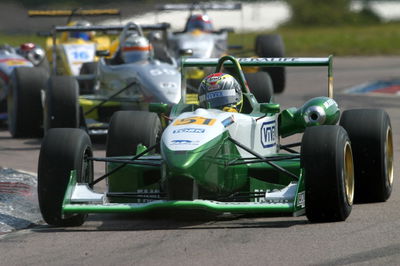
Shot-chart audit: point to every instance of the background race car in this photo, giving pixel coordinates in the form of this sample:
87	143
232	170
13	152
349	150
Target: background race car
13	61
71	49
214	160
200	39
129	80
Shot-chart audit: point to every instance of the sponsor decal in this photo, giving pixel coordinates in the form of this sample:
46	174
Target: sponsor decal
301	199
215	94
152	194
183	142
188	130
168	85
268	134
195	120
329	103
228	121
162	71
16	62
262	60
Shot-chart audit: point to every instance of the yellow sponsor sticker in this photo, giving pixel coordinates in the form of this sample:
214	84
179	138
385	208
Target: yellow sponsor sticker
15	63
196	120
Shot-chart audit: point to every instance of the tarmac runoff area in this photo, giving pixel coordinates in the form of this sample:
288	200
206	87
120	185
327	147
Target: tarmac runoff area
18	200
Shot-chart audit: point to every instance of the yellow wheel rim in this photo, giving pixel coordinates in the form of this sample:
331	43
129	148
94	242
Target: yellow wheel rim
348	173
389	156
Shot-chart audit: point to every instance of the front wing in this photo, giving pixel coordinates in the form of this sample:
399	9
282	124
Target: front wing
79	198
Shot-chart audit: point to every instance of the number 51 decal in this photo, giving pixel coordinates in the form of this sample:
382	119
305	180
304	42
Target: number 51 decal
197	120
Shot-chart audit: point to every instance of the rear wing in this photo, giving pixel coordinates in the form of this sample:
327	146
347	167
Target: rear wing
74	12
200	6
262	62
154	27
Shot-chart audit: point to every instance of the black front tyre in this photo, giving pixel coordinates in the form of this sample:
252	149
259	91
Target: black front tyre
24	104
61	108
271	45
128	129
327	161
370	132
63	150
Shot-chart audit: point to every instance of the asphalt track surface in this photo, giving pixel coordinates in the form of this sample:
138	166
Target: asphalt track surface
370	236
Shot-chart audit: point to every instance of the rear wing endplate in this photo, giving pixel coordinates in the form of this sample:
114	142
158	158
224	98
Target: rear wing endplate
268	62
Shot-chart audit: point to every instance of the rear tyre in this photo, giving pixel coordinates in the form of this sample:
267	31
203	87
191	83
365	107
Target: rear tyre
24	104
370	132
271	45
61	108
326	158
63	150
128	129
87	86
260	85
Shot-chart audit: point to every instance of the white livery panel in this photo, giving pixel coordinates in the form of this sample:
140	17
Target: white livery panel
193	129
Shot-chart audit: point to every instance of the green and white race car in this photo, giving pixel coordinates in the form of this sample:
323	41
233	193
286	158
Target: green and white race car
208	159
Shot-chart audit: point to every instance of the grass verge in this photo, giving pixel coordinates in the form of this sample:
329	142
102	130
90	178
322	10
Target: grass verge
382	39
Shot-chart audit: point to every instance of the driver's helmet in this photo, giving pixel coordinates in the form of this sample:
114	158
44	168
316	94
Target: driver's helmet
221	91
135	48
87	36
199	22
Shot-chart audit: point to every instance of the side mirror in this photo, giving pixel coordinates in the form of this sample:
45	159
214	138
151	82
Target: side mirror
102	53
158	108
185	52
268	108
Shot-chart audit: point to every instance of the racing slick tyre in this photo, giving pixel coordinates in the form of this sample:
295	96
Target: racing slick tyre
261	86
62	150
61	108
24	105
327	161
370	133
271	45
87	86
129	128
44	64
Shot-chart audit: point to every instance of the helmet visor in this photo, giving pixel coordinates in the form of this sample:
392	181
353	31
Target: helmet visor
219	98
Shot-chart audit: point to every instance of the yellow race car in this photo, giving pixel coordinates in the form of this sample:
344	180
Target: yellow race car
73	49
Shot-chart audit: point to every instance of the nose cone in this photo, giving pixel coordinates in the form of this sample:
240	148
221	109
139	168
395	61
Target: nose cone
182	161
161	83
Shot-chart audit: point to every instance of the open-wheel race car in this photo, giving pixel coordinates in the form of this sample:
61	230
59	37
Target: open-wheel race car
204	158
68	51
200	39
131	78
16	62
